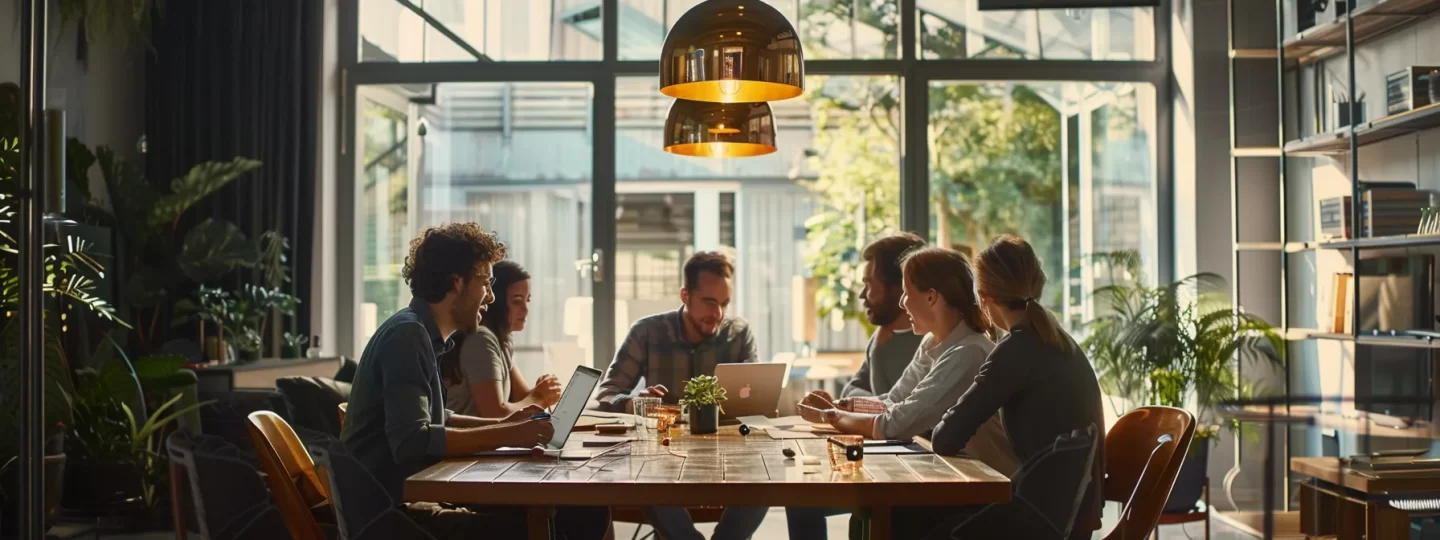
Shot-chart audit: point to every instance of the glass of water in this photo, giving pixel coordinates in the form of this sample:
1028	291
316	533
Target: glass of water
644	410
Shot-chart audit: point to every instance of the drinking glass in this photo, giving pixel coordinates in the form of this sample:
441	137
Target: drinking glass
644	407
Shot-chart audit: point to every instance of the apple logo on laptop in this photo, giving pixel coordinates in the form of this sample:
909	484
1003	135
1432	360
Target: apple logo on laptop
745	392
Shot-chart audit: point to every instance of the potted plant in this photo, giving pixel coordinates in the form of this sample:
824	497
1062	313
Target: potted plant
703	396
293	346
1175	345
123	411
70	274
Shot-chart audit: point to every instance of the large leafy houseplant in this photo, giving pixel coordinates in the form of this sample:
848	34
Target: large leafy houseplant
1174	344
157	244
1177	345
68	287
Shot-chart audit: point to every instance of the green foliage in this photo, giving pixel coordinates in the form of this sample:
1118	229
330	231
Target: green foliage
111	424
202	181
1170	344
149	221
858	184
69	277
703	390
294	345
275	271
215	248
994	164
121	20
242	315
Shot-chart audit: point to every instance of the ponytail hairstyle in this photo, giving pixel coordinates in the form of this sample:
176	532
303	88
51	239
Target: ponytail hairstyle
948	272
1010	273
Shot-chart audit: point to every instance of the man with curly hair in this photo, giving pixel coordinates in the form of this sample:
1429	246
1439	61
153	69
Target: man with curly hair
397	425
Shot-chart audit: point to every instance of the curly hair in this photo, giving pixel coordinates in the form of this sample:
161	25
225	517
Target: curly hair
441	254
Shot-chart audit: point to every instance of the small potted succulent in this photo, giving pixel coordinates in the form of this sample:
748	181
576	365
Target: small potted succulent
703	395
293	346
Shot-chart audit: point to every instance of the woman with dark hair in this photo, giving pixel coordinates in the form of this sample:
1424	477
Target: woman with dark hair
480	371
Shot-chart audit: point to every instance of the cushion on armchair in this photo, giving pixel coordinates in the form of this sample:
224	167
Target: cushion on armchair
311	402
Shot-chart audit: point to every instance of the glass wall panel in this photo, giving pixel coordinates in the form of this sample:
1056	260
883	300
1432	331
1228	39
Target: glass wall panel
479	30
957	29
828	28
1067	166
514	157
793	219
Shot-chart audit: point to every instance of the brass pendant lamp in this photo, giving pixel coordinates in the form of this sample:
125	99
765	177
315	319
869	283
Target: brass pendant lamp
732	51
719	130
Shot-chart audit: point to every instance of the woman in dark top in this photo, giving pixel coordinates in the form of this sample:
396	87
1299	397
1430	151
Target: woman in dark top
1037	377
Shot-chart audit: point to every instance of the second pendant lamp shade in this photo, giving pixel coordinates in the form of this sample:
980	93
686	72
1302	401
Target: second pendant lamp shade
732	51
697	128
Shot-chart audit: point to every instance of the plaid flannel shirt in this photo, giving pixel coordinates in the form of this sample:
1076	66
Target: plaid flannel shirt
656	349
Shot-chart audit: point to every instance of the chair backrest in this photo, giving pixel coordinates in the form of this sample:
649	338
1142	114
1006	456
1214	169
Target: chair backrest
362	507
290	472
230	500
1143	454
1054	481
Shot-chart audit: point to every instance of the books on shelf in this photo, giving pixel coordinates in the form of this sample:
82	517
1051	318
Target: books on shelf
1388	211
1342	315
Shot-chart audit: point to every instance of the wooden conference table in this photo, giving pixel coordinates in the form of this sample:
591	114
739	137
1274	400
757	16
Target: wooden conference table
723	469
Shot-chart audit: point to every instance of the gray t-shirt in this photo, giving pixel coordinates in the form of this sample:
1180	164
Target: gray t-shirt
884	364
482	359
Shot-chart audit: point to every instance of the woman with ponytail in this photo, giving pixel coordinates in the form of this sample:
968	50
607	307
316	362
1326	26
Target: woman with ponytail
939	295
1037	378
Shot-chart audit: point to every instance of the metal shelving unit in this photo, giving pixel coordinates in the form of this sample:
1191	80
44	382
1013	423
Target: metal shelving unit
1328	40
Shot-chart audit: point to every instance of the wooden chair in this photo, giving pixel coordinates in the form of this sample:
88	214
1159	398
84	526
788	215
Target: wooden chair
290	472
1143	454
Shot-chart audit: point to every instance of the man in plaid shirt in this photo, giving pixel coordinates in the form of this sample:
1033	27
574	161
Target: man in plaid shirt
667	349
670	348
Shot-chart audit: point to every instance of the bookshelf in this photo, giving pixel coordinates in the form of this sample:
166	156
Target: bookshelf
1283	268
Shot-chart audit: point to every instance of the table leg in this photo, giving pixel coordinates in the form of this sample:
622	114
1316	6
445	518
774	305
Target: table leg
539	523
880	523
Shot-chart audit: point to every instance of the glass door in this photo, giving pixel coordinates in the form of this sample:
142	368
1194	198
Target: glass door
514	157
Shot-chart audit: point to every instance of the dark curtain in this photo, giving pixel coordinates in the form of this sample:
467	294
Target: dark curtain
232	78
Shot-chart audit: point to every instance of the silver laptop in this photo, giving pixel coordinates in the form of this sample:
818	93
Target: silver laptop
750	389
572	404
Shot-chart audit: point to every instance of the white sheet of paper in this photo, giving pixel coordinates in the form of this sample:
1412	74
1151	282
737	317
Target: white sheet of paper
763	422
515	451
780	434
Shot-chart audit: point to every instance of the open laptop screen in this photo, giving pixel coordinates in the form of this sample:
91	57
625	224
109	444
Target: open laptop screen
572	403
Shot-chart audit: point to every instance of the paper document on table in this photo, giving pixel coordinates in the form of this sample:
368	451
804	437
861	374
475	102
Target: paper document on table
781	434
762	422
819	429
515	451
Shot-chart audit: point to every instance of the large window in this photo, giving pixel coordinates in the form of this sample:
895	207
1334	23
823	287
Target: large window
479	30
514	157
827	28
1071	166
958	29
788	218
1068	166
